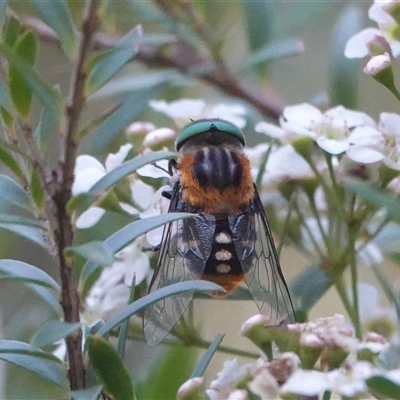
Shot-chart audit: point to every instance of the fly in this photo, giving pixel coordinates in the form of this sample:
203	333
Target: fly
229	241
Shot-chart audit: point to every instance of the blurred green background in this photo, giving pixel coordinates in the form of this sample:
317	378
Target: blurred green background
306	77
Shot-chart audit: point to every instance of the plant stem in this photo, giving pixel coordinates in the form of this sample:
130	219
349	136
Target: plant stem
64	233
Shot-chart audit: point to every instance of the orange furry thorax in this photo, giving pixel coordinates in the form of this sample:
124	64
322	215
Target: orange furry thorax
214	200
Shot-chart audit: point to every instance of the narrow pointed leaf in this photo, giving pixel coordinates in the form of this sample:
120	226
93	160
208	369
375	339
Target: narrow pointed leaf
106	64
384	387
12	193
30	233
126	235
133	105
9	161
35	360
18	220
205	360
165	380
377	197
344	72
52	331
58	16
46	128
109	369
309	287
3	6
91	393
113	177
12	29
259	22
18	270
97	252
275	51
170	290
50	98
51	297
20	90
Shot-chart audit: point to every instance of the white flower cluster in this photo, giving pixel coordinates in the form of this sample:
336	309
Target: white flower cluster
382	44
338	131
285	376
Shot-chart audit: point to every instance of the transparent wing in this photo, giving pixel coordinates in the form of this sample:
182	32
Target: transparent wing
263	275
182	257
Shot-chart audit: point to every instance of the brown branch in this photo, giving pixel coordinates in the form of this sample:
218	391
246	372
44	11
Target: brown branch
64	233
217	74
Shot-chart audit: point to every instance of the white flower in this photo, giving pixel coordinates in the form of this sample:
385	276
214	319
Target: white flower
331	130
184	110
348	381
157	136
376	41
87	172
285	164
110	293
389	124
230	374
139	127
159	205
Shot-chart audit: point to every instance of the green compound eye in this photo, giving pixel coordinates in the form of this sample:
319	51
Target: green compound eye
211	126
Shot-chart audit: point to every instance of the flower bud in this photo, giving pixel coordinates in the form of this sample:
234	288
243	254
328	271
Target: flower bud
193	389
380	68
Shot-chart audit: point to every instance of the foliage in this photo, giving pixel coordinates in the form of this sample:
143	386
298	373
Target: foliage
84	172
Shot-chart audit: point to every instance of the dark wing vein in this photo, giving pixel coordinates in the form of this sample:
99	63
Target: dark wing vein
260	263
182	252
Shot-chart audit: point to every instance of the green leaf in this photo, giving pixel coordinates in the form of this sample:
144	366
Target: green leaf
34	279
170	290
11	193
9	161
164	382
344	72
106	64
20	90
91	393
384	387
309	287
30	233
50	98
3	6
37	190
58	16
123	330
8	218
205	360
109	369
132	107
259	22
11	31
4	98
52	331
21	271
126	235
130	83
46	128
84	201
95	251
35	360
274	51
376	197
49	296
